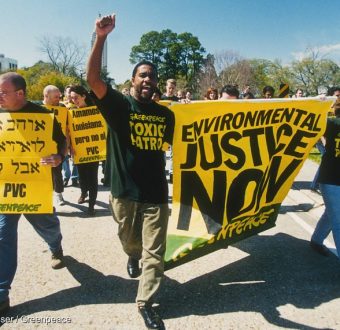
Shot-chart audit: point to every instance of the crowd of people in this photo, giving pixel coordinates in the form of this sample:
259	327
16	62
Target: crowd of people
138	185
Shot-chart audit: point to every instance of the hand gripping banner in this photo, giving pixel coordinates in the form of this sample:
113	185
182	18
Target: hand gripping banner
234	163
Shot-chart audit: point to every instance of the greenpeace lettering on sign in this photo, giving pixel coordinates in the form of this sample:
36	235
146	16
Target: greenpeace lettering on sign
88	134
234	162
24	139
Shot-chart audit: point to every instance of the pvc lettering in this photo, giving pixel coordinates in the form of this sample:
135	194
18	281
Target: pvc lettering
14	190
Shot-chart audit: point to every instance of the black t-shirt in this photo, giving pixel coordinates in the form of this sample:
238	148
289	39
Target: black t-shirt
137	135
330	163
170	98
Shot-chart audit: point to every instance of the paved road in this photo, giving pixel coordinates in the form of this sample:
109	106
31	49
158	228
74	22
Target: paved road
270	281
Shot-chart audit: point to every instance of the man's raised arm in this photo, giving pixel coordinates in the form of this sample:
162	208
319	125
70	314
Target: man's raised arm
104	26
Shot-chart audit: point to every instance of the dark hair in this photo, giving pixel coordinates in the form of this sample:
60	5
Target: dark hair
332	90
230	90
16	80
81	90
144	62
269	89
248	95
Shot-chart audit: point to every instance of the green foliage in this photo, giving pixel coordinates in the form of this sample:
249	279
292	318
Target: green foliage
175	55
41	75
272	73
315	155
311	73
308	74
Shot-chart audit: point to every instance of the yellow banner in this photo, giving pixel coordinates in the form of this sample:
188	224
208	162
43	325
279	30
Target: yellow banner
234	162
88	132
24	139
60	114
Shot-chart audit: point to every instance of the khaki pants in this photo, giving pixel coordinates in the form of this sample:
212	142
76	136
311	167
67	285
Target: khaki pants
142	231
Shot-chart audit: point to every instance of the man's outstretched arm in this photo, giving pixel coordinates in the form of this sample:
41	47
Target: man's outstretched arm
104	26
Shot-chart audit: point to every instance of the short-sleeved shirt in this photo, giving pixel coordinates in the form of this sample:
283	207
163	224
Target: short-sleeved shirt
330	163
137	133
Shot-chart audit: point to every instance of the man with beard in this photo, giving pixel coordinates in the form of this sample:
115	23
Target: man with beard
139	130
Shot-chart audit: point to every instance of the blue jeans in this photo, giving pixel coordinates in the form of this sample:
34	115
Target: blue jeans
330	220
67	170
315	185
46	225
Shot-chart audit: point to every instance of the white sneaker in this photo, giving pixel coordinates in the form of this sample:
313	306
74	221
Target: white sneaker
60	199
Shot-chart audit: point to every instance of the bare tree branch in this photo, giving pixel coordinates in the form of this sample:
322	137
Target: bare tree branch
66	55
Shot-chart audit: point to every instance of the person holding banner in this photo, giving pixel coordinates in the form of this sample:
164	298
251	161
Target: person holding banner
329	183
170	89
13	99
298	93
229	92
140	131
52	96
88	172
211	94
268	92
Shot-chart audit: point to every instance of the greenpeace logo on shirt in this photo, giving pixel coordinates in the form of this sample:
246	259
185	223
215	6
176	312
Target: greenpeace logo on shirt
147	132
149	118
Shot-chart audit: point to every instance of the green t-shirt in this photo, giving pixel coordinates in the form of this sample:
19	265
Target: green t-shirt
137	133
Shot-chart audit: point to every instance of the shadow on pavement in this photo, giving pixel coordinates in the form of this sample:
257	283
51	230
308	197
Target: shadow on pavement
81	209
94	288
279	270
301	185
302	207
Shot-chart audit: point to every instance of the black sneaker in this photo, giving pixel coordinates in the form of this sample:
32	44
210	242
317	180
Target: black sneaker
4	307
151	319
57	261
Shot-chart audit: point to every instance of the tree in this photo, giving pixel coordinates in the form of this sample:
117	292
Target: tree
170	66
150	48
65	54
273	73
176	56
207	76
192	59
40	75
232	69
314	71
261	75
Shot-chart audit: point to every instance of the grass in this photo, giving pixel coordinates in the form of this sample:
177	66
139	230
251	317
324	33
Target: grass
315	155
